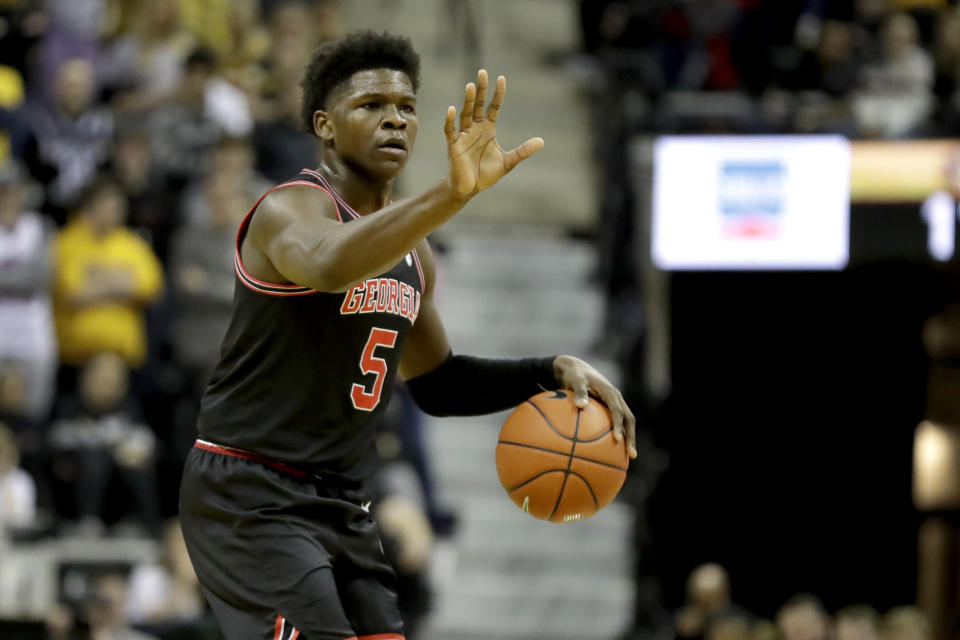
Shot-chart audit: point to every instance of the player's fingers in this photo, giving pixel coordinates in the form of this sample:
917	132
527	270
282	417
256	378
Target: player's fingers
478	104
581	392
524	151
617	416
618	408
493	111
469	96
449	130
630	426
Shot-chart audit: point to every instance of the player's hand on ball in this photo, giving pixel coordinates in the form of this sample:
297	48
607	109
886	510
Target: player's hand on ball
476	159
575	374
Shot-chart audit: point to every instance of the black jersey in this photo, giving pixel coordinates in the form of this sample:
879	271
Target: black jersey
303	373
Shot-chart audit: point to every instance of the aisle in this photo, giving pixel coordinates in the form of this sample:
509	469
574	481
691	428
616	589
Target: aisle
505	574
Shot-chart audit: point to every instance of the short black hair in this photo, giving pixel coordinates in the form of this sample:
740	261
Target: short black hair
201	58
102	182
336	61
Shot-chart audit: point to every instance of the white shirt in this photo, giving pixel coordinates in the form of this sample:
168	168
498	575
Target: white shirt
26	321
18	499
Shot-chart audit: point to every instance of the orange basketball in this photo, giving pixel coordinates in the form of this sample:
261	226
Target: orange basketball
557	462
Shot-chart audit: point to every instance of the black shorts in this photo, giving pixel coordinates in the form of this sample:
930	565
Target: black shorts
281	555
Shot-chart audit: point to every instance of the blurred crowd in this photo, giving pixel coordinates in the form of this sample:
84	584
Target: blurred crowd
874	69
711	613
863	68
134	136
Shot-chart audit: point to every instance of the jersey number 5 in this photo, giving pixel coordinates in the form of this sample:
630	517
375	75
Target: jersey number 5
368	400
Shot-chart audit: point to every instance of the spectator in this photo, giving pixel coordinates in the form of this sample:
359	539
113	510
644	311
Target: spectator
25	23
242	62
99	431
730	626
71	137
824	79
101	615
183	131
30	432
14	123
290	24
149	201
401	498
230	162
803	617
947	60
856	622
407	540
895	94
26	314
142	67
708	596
202	269
18	493
905	623
167	594
282	147
105	276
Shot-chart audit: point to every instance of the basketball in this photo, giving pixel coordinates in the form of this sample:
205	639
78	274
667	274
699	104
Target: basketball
558	462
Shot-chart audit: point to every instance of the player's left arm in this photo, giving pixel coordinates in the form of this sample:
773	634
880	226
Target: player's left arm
444	384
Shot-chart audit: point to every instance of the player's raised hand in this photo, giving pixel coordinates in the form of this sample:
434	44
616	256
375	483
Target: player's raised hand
476	159
575	374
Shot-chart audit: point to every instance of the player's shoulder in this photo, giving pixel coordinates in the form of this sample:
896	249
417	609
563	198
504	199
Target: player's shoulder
298	196
293	202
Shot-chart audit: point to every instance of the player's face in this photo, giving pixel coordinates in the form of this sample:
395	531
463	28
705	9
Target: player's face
372	121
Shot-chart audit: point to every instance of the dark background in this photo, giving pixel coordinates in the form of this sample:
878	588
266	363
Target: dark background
790	424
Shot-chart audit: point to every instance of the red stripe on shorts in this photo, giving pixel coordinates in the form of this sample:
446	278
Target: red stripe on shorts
249	455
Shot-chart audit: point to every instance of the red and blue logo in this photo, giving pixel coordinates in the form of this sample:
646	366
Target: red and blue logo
751	198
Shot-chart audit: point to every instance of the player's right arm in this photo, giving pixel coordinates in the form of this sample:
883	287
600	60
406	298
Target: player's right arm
295	237
288	240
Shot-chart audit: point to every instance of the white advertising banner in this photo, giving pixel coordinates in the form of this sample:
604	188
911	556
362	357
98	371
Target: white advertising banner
751	202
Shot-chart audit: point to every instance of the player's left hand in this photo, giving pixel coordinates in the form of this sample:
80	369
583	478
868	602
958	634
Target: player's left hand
476	160
575	374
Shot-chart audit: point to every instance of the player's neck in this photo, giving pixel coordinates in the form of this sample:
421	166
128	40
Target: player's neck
363	192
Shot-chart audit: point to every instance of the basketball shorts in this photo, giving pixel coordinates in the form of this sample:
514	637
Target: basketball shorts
280	555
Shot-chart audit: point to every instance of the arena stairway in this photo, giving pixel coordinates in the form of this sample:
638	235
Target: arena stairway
505	574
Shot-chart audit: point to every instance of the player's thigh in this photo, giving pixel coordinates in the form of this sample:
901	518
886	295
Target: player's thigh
321	619
371	606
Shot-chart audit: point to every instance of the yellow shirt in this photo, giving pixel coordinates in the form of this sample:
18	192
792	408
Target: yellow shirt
115	325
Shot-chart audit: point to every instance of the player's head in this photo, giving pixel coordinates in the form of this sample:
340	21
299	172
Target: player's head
359	98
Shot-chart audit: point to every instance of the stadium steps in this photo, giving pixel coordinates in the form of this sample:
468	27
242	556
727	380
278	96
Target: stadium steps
505	575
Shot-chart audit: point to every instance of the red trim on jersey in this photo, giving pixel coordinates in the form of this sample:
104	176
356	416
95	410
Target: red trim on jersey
333	192
248	455
261	286
416	261
278	627
350	210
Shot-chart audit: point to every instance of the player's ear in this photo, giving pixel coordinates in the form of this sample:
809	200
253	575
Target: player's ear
321	125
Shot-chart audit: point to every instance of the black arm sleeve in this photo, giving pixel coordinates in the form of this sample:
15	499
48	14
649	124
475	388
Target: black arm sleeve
468	386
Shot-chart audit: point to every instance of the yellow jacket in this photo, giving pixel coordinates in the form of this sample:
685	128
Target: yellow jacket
115	325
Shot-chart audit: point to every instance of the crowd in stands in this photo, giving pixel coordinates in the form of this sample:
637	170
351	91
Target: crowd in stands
863	68
134	136
710	613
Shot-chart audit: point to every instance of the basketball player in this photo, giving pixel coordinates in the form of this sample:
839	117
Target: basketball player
334	299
